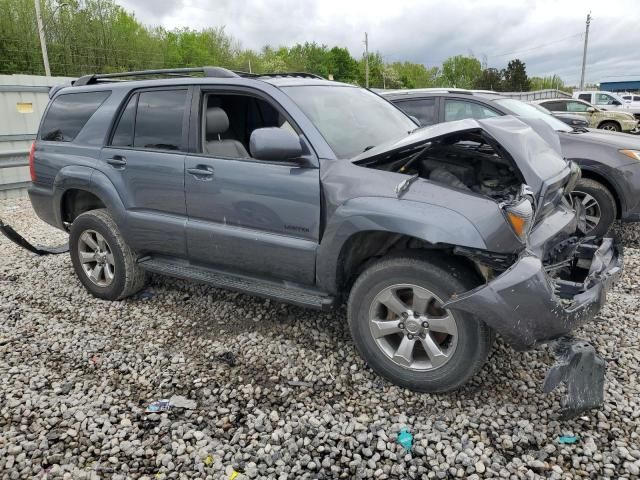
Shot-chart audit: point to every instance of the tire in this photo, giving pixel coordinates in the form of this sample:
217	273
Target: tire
605	210
611	126
120	275
473	338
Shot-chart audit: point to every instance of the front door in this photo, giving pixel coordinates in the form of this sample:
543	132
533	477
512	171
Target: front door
144	160
258	217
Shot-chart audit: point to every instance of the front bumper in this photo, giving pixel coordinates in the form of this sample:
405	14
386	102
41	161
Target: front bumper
629	125
527	306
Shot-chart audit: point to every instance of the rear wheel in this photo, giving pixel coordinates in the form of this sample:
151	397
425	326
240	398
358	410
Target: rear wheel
599	205
611	126
104	263
401	330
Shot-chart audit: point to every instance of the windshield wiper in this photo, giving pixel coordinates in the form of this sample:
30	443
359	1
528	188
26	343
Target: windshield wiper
580	130
368	148
404	185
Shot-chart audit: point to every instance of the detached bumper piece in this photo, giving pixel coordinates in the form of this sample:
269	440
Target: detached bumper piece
18	239
531	303
528	306
582	371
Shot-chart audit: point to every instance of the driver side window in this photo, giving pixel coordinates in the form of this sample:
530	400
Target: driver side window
577	107
229	120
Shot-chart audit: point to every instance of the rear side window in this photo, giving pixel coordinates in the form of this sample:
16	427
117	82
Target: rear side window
460	109
159	120
423	109
152	120
68	114
555	106
585	96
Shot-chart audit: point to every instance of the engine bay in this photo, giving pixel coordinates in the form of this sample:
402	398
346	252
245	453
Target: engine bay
466	160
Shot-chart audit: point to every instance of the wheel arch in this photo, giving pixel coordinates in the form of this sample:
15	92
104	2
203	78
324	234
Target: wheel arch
372	228
608	120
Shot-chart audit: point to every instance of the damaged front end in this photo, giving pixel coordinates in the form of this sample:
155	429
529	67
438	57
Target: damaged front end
534	301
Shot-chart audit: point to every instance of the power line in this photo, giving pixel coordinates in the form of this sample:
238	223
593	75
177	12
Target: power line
538	46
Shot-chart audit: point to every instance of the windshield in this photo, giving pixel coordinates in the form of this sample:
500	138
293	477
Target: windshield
522	109
350	119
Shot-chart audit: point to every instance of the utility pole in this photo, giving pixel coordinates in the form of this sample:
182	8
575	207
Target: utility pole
366	60
43	43
584	53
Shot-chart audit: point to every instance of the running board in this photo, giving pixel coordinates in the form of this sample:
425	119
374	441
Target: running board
279	291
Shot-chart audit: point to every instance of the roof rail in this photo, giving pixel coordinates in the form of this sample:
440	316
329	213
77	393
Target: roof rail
217	72
282	74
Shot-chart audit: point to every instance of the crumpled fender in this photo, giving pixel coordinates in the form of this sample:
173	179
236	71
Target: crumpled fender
431	223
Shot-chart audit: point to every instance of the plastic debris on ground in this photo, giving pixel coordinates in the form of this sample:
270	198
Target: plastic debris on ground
228	357
159	406
568	439
405	439
208	461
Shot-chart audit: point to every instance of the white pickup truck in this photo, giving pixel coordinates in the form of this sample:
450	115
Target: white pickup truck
608	101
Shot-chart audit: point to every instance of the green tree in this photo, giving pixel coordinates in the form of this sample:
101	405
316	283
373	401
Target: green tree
489	79
547	82
342	65
515	77
460	72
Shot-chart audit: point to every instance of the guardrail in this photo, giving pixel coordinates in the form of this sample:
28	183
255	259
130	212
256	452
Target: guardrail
13	159
536	95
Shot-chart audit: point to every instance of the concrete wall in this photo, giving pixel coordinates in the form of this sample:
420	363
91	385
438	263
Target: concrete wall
23	99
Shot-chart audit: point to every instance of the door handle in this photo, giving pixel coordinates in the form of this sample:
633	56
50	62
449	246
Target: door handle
201	172
117	161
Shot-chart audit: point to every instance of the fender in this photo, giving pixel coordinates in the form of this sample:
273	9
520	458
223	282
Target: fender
92	181
431	223
608	174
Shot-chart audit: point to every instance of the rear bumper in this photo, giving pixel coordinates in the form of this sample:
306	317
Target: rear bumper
527	306
43	204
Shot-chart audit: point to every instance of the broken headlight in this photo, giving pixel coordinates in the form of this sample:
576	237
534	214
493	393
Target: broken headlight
574	177
520	217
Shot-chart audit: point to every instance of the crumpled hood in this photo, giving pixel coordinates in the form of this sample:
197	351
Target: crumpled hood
534	147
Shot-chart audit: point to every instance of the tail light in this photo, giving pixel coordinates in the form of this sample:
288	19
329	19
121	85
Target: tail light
32	169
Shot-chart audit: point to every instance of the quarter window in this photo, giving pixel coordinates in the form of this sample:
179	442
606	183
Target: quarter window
68	114
423	109
460	109
123	135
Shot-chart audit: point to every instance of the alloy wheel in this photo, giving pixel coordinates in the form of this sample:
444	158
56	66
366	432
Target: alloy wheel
592	210
410	326
96	258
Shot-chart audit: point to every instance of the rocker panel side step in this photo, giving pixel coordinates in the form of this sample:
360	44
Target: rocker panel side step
282	292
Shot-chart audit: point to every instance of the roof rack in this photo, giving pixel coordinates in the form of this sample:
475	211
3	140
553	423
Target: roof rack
281	75
217	72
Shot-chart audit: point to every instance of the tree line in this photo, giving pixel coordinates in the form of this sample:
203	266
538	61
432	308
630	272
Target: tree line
88	36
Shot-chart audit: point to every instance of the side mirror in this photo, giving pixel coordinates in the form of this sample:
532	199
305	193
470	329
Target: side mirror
591	109
616	103
275	144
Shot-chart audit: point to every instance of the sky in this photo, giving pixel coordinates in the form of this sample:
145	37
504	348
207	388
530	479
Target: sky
547	35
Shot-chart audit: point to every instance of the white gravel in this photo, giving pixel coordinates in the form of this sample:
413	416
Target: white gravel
77	373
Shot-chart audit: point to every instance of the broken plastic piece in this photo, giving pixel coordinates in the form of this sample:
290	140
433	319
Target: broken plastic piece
228	357
159	406
208	461
405	439
18	239
233	475
582	370
568	439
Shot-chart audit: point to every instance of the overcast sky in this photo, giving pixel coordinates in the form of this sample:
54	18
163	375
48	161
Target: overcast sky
547	35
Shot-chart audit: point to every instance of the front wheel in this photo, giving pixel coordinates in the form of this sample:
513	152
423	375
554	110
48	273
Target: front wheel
104	263
401	330
599	206
610	126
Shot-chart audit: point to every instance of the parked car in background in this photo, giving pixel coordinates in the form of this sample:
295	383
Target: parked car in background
610	162
615	121
631	99
575	121
320	193
607	101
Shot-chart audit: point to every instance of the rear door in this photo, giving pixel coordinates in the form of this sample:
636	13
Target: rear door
246	214
144	159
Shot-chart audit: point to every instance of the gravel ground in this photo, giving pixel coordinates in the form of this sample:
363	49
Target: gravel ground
77	374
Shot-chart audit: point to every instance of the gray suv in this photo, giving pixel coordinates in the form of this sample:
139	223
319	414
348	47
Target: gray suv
316	193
